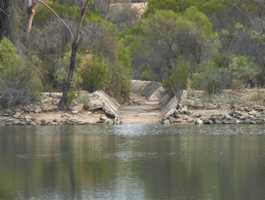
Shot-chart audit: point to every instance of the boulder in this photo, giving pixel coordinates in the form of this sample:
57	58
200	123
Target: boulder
170	108
198	122
99	100
77	108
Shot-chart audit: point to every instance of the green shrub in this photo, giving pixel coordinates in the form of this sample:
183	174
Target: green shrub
120	85
178	78
211	79
243	70
147	74
196	81
212	84
61	68
225	71
94	74
19	82
121	75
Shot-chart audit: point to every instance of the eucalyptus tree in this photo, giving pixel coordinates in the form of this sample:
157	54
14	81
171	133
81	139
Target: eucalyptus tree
64	102
7	19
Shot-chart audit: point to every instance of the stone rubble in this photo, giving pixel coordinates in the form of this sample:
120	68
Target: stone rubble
93	108
237	115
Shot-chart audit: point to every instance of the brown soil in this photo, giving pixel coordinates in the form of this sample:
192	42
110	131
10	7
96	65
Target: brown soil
141	111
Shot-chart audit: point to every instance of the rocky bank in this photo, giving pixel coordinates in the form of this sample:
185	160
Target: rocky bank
231	107
150	103
87	108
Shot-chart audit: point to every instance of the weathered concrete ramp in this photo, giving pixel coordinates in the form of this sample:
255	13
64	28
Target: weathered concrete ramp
142	111
145	104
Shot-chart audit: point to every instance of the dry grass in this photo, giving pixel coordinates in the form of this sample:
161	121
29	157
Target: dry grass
228	98
255	96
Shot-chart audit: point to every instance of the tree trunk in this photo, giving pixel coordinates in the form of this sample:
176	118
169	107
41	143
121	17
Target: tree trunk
31	14
3	18
8	19
64	102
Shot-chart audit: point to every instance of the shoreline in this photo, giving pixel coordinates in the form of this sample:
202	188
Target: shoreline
149	104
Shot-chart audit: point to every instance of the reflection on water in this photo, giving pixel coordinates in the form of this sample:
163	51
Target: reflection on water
132	163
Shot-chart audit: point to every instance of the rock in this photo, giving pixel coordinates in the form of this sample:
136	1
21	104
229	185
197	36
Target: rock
65	116
227	117
28	118
253	113
184	110
238	121
77	108
197	115
43	122
99	100
109	121
198	122
105	120
208	121
259	108
152	90
18	115
166	122
49	107
32	108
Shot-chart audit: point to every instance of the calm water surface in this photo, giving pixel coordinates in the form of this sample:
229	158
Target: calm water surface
132	163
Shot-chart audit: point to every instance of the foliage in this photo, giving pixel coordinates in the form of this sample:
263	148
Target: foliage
124	17
225	72
186	36
94	74
243	70
178	78
120	85
60	72
214	44
147	74
8	55
19	82
182	5
213	80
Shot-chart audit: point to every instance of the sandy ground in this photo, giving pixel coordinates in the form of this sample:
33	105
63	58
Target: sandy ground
141	111
57	117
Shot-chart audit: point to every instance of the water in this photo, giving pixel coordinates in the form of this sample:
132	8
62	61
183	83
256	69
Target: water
132	163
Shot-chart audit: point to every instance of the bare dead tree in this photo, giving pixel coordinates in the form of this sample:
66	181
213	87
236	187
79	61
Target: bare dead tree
32	4
64	102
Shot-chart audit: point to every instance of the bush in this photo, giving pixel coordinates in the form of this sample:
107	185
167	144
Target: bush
61	68
19	82
243	70
121	75
187	36
94	74
178	78
223	72
212	83
147	74
256	96
123	16
211	79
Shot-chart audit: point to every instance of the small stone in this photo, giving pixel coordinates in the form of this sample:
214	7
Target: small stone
43	122
166	122
198	122
28	118
77	109
17	115
253	113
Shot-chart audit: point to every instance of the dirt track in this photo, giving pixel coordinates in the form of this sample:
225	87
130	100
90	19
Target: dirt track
141	111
